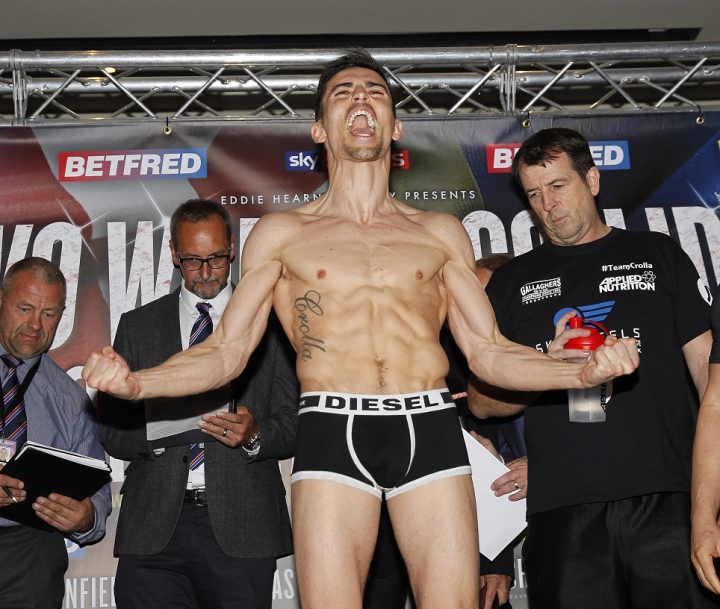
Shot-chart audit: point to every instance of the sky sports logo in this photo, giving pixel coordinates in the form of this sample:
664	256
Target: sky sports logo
312	160
607	155
104	165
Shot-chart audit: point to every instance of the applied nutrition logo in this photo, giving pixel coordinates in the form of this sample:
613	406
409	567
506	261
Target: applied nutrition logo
623	283
106	165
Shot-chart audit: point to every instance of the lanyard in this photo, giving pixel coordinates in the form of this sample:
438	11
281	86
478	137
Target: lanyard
20	394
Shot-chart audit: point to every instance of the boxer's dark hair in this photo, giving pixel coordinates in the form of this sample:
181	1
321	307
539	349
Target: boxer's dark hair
355	58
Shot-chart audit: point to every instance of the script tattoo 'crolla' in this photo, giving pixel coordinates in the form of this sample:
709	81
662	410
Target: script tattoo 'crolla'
309	303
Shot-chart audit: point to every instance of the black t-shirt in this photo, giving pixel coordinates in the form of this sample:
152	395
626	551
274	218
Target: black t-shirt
641	285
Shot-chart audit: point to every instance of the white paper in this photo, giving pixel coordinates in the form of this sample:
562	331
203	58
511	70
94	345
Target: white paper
171	416
499	519
64	454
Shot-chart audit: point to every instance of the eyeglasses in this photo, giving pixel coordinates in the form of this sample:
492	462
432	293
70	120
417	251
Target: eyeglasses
217	261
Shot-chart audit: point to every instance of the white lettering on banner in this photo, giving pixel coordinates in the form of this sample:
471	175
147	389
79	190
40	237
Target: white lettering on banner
438	195
123	286
75	166
608	155
656	219
690	222
500	157
284	588
242	199
296	198
519	575
522	227
19	245
614	217
89	592
503	158
246	225
70	238
482	220
45	243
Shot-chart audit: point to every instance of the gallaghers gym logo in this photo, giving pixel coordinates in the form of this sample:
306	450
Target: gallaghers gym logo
540	290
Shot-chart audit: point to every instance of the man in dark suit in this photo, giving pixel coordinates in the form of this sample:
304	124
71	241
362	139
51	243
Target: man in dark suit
202	525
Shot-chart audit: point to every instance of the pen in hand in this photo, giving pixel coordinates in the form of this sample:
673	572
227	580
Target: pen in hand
8	492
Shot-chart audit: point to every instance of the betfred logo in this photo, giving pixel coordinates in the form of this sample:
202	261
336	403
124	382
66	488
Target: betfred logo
500	157
611	155
607	155
132	165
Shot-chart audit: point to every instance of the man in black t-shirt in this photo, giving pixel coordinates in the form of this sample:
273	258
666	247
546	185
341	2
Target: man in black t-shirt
608	506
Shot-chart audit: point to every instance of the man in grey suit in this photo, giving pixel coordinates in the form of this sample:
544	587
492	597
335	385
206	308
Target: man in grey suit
202	526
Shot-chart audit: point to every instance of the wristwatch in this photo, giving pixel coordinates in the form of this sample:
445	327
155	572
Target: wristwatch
252	446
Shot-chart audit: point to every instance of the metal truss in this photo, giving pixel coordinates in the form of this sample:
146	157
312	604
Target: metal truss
39	88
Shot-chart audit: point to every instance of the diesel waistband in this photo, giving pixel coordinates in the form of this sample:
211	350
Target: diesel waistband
352	403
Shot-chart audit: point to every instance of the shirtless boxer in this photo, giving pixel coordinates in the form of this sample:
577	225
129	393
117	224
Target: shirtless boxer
362	284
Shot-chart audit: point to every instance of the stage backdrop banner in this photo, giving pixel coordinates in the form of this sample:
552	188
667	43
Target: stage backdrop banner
97	201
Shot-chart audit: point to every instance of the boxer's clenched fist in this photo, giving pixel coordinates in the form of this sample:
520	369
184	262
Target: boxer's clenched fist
108	372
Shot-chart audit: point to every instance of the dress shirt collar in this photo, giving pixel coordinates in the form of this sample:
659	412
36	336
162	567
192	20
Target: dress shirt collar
188	300
22	368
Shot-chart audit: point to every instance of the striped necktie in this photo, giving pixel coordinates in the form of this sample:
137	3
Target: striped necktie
15	418
202	328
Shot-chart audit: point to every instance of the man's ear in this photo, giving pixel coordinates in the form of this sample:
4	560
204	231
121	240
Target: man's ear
232	248
592	179
397	130
317	131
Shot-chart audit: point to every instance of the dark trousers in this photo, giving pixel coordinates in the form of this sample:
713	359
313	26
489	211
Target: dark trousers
193	572
32	568
628	554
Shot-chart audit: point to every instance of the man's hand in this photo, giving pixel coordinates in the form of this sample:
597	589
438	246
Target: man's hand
515	481
15	487
108	372
492	586
487	444
617	357
705	545
67	515
563	334
614	358
232	429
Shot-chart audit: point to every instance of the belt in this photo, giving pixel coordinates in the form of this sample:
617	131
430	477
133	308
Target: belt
196	496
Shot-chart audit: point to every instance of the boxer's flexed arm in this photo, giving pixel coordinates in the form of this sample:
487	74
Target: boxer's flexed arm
220	358
500	362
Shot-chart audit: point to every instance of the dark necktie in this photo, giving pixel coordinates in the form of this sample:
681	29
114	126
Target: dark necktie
202	328
15	420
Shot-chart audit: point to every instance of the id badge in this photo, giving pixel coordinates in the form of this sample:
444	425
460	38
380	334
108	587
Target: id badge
7	450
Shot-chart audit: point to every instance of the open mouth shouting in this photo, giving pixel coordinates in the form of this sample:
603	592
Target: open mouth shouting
361	123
